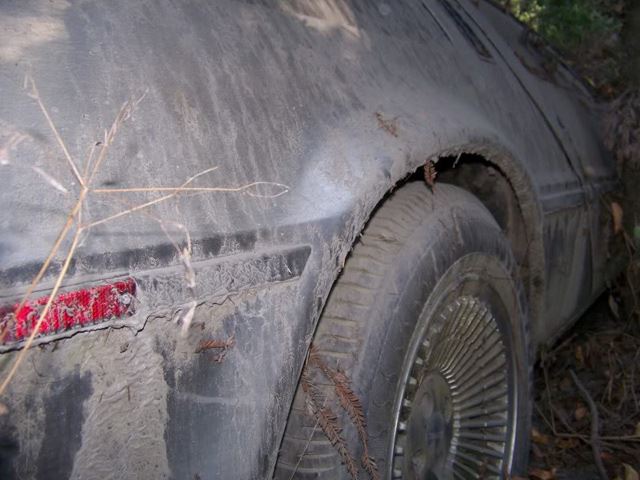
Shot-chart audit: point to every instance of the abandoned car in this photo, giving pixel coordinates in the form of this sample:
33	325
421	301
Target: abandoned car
254	239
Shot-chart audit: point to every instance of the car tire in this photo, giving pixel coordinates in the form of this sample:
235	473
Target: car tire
420	365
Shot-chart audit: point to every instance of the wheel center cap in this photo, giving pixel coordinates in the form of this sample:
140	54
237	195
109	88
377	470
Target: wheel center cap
430	428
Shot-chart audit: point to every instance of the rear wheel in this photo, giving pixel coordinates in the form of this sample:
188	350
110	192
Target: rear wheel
424	336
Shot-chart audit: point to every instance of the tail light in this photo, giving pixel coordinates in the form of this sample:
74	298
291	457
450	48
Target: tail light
69	311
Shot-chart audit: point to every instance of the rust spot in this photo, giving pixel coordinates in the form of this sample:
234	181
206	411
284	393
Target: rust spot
221	347
389	126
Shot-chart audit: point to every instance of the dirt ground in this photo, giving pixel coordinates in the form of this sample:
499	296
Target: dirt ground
604	353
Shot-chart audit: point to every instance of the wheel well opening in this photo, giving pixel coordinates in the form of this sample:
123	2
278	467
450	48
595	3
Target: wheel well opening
492	187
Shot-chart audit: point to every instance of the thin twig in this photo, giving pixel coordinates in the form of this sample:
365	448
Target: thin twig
197	189
43	314
54	249
35	94
149	203
122	116
92	151
175	191
545	373
306	446
595	440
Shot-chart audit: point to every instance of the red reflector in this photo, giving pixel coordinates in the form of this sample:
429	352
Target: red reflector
68	310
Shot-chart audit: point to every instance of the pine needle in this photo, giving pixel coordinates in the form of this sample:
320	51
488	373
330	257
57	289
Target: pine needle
328	422
351	404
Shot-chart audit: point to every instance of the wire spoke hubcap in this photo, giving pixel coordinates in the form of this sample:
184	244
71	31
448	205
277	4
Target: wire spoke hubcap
458	400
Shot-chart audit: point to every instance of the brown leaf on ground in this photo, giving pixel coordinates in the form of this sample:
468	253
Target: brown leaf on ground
538	437
580	412
541	474
565	383
616	214
580	355
608	457
567	443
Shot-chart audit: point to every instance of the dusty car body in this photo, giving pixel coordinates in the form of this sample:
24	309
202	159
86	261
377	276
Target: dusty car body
311	111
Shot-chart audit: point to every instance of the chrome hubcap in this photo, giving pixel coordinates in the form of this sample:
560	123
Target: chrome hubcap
455	413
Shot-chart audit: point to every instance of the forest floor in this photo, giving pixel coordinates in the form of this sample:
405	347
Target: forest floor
603	351
587	404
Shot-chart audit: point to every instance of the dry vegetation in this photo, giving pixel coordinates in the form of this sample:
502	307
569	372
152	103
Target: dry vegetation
77	226
319	405
597	418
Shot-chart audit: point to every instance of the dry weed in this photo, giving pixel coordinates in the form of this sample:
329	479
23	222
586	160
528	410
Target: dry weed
74	227
328	421
349	401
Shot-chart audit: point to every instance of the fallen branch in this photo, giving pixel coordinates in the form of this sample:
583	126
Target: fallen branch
595	439
328	422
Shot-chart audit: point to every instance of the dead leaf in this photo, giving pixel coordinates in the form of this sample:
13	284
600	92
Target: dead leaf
565	384
630	473
430	173
3	409
580	356
608	457
566	443
637	429
580	412
538	437
541	474
616	213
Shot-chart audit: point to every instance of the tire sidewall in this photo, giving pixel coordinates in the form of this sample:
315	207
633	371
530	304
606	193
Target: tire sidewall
438	258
